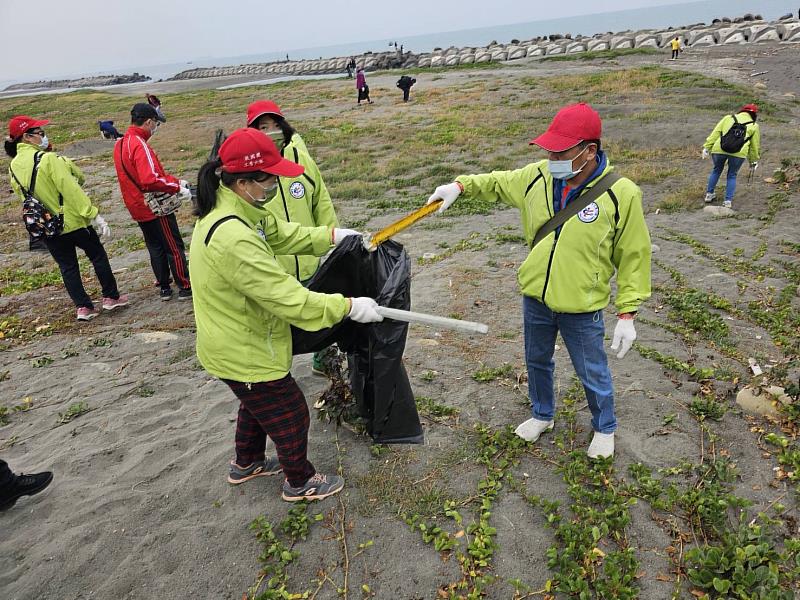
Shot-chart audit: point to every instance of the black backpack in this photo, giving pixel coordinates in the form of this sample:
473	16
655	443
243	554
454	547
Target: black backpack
735	138
38	220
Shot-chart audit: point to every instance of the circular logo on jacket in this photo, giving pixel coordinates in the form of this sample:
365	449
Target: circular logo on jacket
297	190
590	213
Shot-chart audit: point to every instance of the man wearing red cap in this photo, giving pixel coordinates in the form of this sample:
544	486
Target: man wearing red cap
735	138
245	303
565	280
139	172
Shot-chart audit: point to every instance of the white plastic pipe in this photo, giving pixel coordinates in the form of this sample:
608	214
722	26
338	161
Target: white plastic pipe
433	320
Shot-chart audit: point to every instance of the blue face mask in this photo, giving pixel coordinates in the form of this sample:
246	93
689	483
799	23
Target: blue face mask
44	143
562	169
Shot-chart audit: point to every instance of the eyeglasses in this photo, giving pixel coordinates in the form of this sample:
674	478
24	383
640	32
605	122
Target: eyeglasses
39	132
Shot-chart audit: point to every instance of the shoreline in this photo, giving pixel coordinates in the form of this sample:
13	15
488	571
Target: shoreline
739	31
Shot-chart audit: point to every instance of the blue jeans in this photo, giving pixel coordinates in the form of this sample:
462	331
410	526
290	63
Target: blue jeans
583	334
734	164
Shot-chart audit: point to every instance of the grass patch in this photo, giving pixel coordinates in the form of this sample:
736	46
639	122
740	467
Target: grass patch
601	54
430	408
17	281
486	374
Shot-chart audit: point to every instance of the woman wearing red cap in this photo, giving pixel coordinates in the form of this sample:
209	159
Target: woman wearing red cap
565	280
55	182
735	138
303	199
244	304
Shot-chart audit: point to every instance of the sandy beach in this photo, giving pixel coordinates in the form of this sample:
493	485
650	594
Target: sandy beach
140	508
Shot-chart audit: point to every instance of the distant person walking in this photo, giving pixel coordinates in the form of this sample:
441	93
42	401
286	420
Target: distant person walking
405	83
361	86
676	47
156	103
55	184
140	176
303	199
735	138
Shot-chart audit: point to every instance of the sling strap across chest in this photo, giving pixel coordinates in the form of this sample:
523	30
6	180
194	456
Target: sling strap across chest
577	205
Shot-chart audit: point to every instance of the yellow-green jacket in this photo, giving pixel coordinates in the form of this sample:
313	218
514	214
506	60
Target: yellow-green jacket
572	273
751	149
57	175
243	300
304	200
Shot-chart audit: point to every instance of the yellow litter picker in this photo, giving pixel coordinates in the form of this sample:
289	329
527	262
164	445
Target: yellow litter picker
376	239
371	242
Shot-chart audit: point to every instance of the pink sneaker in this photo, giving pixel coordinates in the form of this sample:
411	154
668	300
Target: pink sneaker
86	314
112	303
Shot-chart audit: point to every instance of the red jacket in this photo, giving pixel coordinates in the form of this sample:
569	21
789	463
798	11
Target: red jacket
143	165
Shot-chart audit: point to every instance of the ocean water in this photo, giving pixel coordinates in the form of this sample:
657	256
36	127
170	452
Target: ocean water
673	15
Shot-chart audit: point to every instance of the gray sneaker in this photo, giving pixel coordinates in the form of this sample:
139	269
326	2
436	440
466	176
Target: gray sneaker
318	487
237	474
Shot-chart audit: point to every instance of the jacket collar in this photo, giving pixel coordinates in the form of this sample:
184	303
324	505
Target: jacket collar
230	202
140	131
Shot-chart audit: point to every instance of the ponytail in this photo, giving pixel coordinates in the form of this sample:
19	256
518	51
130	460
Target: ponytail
207	186
10	145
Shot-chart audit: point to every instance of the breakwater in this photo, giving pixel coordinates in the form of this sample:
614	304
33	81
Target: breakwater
747	29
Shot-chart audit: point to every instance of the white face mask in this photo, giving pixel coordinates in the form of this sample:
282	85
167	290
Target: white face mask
44	143
269	193
275	135
154	129
562	169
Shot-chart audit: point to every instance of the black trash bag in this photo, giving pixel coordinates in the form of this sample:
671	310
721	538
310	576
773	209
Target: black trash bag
374	352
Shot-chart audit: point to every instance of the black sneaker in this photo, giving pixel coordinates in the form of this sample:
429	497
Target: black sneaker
237	474
25	485
318	487
185	294
165	294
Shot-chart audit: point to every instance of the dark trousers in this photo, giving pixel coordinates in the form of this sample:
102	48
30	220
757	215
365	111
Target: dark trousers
276	409
675	54
406	92
165	245
62	247
7	478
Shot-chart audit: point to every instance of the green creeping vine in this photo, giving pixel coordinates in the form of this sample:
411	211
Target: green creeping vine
474	546
276	555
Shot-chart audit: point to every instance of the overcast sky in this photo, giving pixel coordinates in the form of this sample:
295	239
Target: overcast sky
49	38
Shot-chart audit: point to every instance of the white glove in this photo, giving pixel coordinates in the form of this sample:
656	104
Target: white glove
704	154
448	193
624	332
754	165
184	183
185	194
362	310
100	223
339	234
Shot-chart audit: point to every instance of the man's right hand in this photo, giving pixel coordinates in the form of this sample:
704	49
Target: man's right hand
447	193
704	153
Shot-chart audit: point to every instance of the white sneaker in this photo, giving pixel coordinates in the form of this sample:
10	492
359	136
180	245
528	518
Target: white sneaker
602	445
726	204
709	197
531	429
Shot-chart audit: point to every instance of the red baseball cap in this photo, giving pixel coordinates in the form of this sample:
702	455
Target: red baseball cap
262	107
21	123
571	125
247	150
749	108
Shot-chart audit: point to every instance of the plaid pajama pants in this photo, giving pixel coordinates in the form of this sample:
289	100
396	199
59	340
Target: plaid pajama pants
276	409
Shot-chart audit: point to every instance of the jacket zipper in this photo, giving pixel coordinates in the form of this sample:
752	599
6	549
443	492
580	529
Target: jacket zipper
289	220
555	241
